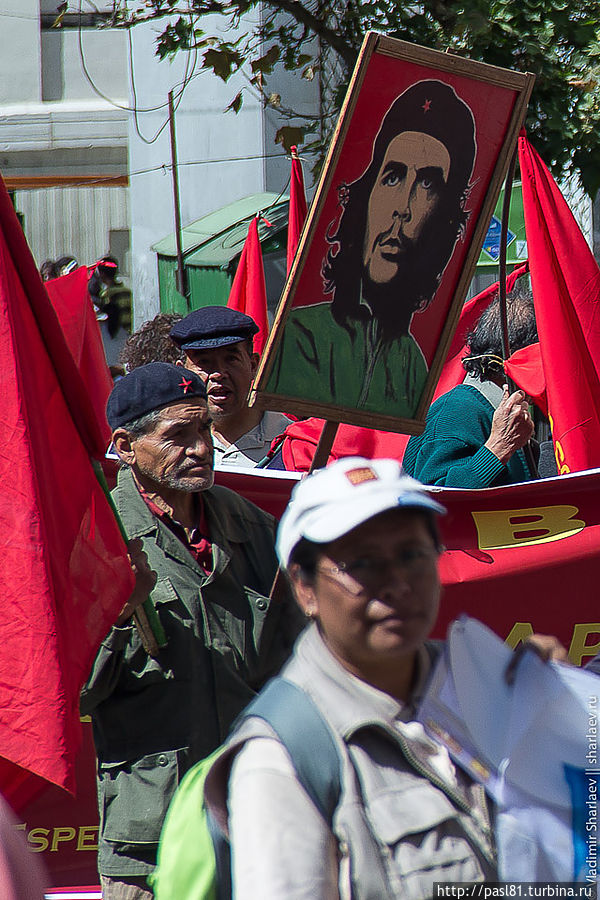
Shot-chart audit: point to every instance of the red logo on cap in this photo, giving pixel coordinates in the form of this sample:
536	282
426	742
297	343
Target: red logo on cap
185	384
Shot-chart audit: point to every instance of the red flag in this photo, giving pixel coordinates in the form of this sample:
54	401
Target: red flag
566	289
297	213
526	370
73	306
248	291
64	573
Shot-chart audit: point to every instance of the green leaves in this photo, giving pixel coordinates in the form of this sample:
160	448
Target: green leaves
289	136
266	63
236	103
223	60
558	40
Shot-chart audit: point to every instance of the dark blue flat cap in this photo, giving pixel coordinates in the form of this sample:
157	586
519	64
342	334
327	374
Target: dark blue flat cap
212	326
151	387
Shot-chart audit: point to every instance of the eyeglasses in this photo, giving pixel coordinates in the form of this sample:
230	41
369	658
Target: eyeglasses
366	573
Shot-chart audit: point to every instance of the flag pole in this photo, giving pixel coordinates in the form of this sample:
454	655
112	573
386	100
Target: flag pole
151	632
508	184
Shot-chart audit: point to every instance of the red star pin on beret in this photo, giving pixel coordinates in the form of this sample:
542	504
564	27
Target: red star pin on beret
426	106
185	384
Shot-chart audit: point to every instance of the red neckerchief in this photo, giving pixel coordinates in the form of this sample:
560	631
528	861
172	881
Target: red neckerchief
198	543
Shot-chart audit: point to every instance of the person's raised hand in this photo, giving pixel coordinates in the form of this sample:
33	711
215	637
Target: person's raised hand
512	426
145	579
546	646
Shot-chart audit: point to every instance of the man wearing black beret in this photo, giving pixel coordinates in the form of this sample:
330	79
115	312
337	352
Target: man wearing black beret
214	559
217	342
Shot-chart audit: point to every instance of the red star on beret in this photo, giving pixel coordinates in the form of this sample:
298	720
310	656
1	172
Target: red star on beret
185	384
426	106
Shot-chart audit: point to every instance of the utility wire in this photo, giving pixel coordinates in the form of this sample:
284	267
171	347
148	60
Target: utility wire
166	167
126	108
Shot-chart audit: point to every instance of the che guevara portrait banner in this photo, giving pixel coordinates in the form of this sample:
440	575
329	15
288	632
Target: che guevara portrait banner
392	238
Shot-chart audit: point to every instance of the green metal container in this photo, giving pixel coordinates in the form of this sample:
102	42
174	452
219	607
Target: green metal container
211	250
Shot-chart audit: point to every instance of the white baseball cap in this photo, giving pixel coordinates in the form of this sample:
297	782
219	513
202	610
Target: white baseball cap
333	501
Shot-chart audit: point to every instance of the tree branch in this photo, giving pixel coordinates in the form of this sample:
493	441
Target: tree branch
304	17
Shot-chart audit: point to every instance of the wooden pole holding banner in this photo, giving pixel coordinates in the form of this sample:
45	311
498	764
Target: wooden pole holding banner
319	460
527	450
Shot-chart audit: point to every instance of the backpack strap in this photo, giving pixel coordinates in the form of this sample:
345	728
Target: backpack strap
309	742
222	851
297	722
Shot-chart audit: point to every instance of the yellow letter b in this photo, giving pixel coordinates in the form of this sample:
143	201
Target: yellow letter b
499	529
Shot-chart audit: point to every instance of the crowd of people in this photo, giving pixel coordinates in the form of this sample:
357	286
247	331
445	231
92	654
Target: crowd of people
359	546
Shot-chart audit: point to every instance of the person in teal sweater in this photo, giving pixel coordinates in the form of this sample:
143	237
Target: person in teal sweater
475	434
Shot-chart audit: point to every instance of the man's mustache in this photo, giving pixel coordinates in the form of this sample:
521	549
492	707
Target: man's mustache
393	238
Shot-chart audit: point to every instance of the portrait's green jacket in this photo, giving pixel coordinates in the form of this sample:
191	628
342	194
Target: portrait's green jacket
154	718
325	362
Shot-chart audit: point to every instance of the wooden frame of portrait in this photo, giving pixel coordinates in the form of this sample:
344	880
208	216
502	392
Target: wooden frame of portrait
368	366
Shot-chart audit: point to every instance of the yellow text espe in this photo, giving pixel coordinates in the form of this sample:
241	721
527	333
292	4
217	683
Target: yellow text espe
82	837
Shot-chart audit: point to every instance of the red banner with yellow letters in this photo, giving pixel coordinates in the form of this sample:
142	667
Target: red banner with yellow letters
520	558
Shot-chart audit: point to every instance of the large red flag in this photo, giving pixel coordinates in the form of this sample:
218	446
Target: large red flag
248	292
297	213
64	573
73	306
566	290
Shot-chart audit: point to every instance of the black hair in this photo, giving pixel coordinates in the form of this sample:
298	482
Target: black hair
48	270
306	553
485	341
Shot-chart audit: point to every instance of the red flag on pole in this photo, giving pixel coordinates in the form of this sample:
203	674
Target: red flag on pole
565	280
75	311
64	573
248	292
297	213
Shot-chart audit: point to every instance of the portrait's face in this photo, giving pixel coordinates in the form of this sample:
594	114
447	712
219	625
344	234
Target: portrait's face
404	197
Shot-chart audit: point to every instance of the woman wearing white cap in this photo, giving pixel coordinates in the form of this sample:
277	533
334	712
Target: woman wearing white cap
360	545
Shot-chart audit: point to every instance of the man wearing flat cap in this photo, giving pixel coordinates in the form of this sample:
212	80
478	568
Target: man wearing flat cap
217	342
214	559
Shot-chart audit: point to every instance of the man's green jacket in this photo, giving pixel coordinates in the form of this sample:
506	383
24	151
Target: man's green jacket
154	718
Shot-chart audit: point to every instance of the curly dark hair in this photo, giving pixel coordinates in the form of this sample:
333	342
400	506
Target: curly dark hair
485	341
151	343
433	108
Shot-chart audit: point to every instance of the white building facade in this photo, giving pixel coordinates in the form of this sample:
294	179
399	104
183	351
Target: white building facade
63	147
84	136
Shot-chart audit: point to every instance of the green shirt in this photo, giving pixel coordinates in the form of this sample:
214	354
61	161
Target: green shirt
452	452
320	360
